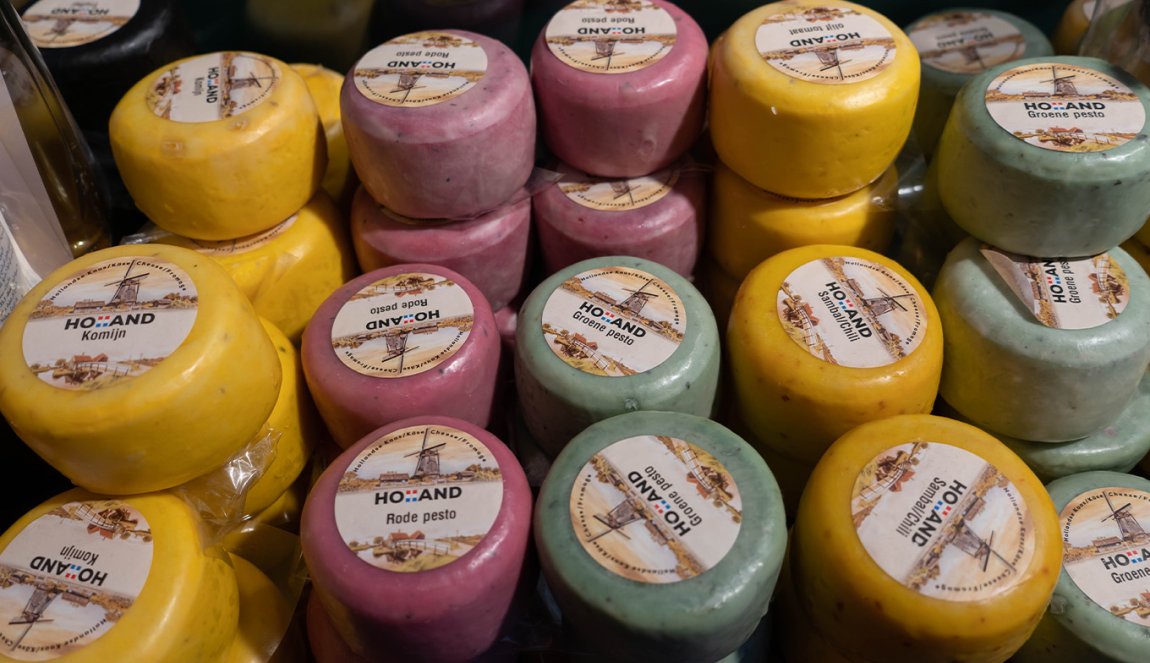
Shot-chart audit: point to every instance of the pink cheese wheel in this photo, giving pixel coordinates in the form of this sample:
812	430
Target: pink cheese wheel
659	218
490	250
455	158
447	613
443	359
624	124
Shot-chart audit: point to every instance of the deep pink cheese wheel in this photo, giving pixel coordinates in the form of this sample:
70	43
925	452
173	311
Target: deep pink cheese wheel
632	122
405	340
658	217
440	124
490	250
415	539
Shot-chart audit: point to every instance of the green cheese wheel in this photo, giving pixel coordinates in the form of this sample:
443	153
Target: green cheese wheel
611	335
1077	627
661	536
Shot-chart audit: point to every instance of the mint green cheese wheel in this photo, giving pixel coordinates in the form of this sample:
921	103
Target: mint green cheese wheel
1007	372
1041	201
956	44
1099	528
583	353
609	528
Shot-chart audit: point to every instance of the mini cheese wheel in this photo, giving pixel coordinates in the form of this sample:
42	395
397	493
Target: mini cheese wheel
324	85
295	424
660	534
136	368
956	44
658	217
115	578
403	549
192	139
1072	26
94	61
405	340
748	225
1117	447
289	270
1099	607
264	618
1010	372
1034	169
330	31
620	106
490	249
612	335
796	124
824	338
431	146
920	538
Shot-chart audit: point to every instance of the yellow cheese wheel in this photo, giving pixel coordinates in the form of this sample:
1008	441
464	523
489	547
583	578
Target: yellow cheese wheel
289	270
816	113
824	338
100	579
921	538
748	225
264	619
339	179
1072	26
136	368
220	145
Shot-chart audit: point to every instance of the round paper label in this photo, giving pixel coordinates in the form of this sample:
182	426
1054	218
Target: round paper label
420	69
231	247
832	45
403	325
112	321
67	23
418	498
1065	107
656	509
69	577
966	42
1106	550
851	312
1064	293
213	87
614	321
942	521
618	195
611	36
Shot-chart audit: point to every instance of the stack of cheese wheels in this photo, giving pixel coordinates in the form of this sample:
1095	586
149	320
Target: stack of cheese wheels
441	130
136	368
920	538
661	535
956	44
96	578
405	340
612	335
415	538
1100	605
824	338
1042	157
621	90
1049	351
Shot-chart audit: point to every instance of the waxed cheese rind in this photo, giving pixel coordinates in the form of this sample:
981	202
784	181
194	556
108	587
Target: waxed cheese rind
1114	637
701	618
177	421
1034	201
188	610
339	179
803	139
558	400
407	613
1005	370
861	609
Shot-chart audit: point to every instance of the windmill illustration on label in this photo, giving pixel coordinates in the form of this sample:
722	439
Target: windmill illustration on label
127	288
829	59
617	518
427	461
1129	529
